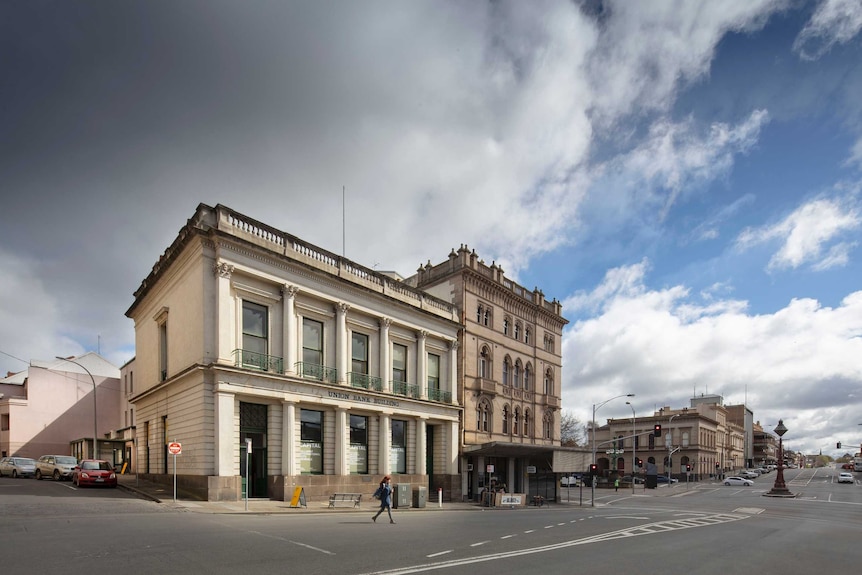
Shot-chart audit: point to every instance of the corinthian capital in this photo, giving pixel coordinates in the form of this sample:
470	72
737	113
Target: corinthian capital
222	270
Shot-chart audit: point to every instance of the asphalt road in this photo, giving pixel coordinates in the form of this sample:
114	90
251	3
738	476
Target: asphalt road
695	529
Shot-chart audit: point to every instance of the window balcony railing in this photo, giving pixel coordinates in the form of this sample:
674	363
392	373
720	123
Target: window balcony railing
435	394
364	381
318	372
255	360
405	389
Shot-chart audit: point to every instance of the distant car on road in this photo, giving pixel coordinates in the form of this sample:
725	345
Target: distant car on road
748	474
738	481
845	477
94	472
55	466
628	479
663	479
17	467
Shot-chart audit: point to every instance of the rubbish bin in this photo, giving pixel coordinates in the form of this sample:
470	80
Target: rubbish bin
401	497
420	496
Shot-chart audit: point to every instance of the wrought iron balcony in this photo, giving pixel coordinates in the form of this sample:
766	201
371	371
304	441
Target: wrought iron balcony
405	389
364	381
255	360
318	372
435	394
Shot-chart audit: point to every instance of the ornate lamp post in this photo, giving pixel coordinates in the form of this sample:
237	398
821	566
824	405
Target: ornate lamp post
779	489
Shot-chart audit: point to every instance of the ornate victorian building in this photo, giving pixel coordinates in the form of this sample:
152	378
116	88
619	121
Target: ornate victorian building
278	365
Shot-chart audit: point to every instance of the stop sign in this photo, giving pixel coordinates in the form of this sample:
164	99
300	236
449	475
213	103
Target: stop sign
175	448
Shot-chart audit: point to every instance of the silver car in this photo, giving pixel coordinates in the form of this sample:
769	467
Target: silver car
17	467
55	466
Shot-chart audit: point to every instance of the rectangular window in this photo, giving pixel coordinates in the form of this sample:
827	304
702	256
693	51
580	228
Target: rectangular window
311	438
4	422
399	362
398	451
255	331
131	382
163	351
359	353
312	342
358	462
433	372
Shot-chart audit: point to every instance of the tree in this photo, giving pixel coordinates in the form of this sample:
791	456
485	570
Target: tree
572	431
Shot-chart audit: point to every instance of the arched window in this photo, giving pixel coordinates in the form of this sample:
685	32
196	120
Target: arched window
527	431
548	425
528	376
516	427
506	420
517	377
483	416
549	382
485	363
507	367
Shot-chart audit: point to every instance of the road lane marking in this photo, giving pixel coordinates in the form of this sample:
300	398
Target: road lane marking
479	543
306	545
438	554
648	529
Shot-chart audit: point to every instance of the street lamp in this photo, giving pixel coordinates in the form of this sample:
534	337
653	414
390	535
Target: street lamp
596	408
779	489
634	445
95	417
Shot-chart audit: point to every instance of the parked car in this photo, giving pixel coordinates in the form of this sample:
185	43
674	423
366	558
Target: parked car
663	479
628	479
738	481
17	467
748	474
94	472
847	466
55	466
845	477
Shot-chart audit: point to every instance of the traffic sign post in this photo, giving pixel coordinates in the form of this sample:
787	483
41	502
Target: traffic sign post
175	448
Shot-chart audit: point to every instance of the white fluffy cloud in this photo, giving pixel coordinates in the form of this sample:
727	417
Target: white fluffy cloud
812	234
833	22
667	346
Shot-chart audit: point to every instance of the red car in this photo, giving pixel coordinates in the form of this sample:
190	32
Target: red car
94	472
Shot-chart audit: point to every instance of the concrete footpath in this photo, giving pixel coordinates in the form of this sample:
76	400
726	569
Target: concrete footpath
164	494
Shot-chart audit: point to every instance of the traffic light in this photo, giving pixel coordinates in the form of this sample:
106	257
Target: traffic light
594	469
656	431
838	446
687	467
640	462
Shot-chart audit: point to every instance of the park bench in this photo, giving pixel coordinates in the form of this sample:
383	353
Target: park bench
344	499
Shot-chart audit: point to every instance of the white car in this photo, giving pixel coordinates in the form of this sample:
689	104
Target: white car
748	474
845	477
738	481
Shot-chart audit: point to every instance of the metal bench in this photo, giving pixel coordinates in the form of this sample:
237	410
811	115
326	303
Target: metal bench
344	500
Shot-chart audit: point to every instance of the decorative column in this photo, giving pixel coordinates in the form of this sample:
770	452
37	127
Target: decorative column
288	439
453	370
452	449
385	367
225	334
421	364
383	463
225	441
341	441
420	446
291	341
341	340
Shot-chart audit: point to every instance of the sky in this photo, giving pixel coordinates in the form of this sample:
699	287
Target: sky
684	176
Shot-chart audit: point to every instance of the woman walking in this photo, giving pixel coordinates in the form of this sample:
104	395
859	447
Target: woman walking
385	494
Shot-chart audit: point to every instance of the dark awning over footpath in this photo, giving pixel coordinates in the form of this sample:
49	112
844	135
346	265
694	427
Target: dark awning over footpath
562	459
